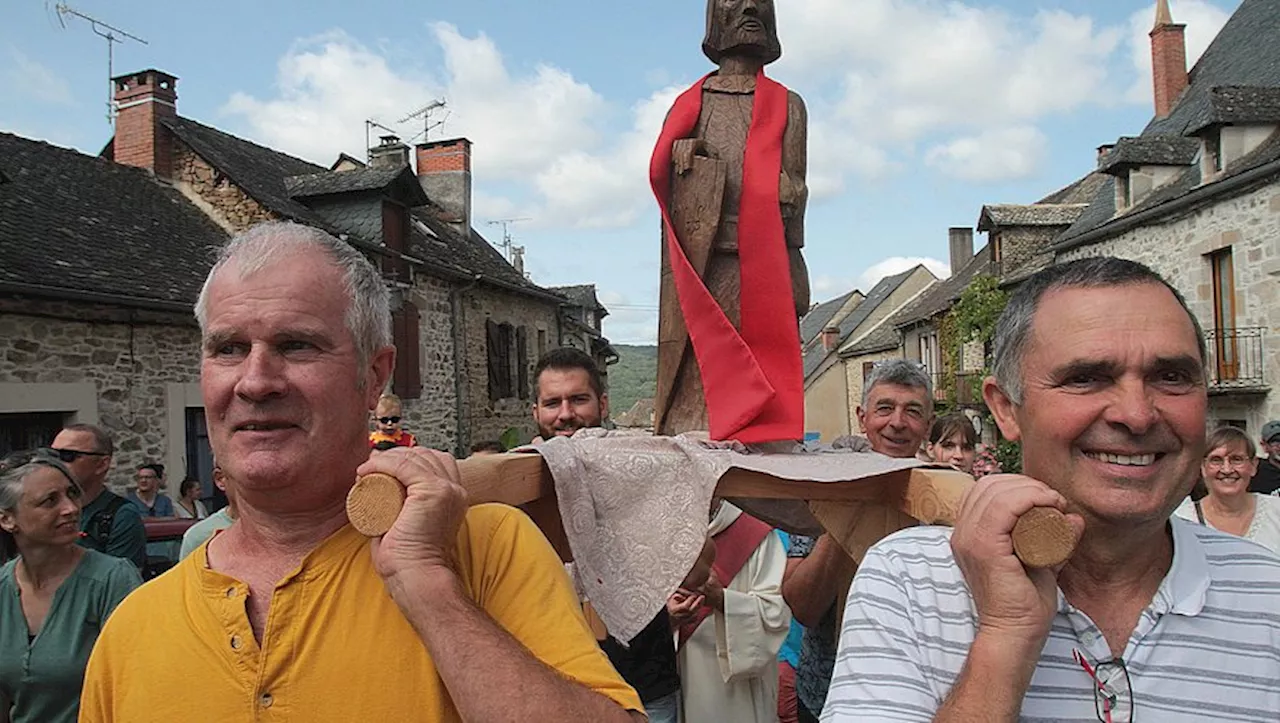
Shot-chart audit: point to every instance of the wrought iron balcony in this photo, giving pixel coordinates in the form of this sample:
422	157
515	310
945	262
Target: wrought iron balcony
1236	363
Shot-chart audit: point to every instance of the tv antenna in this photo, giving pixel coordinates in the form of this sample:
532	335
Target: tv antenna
369	125
425	113
107	32
507	246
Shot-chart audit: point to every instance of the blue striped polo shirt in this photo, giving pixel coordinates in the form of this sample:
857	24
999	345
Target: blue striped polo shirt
1206	648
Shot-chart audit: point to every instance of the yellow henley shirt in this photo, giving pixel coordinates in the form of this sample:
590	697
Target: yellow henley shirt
336	647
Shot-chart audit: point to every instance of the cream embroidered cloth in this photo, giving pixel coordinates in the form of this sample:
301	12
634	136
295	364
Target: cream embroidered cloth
635	508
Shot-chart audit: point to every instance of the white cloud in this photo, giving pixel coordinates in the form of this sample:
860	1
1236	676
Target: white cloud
998	154
27	78
896	265
894	73
629	322
1203	21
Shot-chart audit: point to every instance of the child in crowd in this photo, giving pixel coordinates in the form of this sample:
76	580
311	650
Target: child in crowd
386	417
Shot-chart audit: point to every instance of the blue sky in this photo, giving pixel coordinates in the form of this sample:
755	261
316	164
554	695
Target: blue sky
920	111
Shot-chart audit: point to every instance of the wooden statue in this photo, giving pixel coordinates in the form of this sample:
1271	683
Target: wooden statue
736	212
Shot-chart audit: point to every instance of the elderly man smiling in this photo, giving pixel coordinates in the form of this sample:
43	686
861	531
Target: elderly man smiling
1099	371
290	614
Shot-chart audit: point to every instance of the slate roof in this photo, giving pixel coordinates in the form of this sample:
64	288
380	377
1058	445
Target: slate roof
1081	191
939	297
879	293
1153	150
819	316
1235	104
883	338
330	182
1039	214
258	170
1245	53
262	172
73	224
583	295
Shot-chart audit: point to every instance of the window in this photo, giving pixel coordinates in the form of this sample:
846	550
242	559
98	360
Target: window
542	342
1213	150
395	236
1124	197
200	458
522	362
406	381
27	430
501	360
1224	314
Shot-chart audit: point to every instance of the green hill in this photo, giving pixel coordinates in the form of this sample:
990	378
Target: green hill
634	376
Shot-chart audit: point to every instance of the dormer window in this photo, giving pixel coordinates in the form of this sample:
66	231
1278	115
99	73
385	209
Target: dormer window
1124	193
1213	151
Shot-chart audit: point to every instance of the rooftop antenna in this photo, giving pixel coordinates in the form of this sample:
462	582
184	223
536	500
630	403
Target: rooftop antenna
425	113
508	248
107	32
369	125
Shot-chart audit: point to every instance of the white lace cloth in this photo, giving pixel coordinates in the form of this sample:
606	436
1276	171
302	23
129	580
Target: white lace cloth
635	508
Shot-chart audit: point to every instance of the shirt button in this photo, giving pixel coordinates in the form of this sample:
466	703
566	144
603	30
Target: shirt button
231	592
266	700
235	642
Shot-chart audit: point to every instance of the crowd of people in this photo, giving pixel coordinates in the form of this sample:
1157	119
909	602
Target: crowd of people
1167	610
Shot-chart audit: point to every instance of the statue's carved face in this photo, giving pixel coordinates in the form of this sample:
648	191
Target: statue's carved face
742	27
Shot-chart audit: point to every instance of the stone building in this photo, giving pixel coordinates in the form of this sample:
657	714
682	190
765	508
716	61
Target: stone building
836	360
103	258
1196	196
581	320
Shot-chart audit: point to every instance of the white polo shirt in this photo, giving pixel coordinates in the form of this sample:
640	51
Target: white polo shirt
1206	648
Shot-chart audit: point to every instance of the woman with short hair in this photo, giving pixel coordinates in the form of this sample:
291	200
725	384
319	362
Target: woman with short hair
54	595
1229	506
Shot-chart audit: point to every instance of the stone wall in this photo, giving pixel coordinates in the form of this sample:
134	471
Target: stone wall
1019	244
1178	249
488	420
214	193
128	364
433	417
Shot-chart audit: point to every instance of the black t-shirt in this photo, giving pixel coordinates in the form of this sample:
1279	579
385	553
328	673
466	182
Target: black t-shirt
1267	480
649	665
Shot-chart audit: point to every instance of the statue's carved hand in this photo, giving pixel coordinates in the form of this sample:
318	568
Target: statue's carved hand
685	150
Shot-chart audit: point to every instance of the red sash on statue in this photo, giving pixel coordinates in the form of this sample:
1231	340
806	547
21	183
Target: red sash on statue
734	546
753	380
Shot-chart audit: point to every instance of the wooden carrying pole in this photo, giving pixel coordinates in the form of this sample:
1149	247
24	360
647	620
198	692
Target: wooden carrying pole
856	513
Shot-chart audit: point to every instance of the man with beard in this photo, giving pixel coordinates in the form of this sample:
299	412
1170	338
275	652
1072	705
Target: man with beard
897	404
1100	374
728	172
569	395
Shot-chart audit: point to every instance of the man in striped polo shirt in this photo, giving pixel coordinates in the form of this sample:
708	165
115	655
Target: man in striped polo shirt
1099	372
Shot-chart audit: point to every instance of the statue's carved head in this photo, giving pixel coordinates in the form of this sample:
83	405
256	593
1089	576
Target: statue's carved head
742	27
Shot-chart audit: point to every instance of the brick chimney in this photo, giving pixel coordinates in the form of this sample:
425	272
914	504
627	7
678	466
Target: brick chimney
1168	59
960	239
444	170
389	153
1103	151
830	337
143	99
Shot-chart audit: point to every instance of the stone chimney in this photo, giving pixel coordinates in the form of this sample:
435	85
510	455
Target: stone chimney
961	242
444	170
143	99
517	259
830	337
1103	151
1168	59
389	153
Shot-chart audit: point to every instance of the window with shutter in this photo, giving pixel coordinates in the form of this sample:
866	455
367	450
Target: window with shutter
522	362
406	381
493	339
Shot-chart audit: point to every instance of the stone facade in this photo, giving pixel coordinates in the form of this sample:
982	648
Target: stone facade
125	375
487	420
214	193
1179	248
433	417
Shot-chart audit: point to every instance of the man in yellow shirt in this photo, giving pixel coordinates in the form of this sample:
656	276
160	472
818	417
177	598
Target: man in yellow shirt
290	614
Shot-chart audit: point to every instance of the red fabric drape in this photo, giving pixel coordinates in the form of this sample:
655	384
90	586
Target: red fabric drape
752	379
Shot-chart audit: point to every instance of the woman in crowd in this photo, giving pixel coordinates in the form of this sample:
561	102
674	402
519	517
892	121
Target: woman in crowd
1229	506
953	441
189	507
54	596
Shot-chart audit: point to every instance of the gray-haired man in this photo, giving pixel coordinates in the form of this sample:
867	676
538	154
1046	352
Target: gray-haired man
1099	372
896	408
